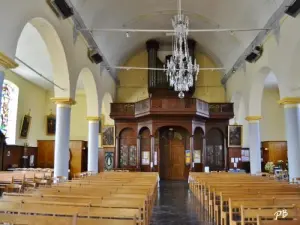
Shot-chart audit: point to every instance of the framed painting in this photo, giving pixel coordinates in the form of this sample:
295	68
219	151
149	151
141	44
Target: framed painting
235	136
108	136
50	124
25	126
101	123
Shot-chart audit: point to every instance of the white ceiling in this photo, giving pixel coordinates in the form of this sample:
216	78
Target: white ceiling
224	47
157	14
35	60
32	50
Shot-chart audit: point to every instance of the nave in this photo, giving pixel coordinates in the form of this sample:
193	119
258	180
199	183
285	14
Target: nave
133	198
177	205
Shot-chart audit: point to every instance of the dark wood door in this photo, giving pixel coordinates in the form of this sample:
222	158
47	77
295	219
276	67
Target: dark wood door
215	150
176	151
172	160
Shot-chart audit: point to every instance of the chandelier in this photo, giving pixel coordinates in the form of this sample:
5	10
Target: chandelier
180	70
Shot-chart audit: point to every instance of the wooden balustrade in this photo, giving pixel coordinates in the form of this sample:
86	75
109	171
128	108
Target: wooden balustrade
171	106
220	110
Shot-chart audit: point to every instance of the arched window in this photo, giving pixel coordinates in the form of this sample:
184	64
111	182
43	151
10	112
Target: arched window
9	108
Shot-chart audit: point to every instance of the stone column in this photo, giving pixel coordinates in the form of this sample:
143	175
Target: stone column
93	144
117	150
152	141
192	152
254	144
62	136
292	130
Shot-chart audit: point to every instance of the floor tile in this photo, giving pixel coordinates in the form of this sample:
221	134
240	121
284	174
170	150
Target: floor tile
176	205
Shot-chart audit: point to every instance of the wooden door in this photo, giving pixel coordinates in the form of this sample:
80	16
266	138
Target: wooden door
176	150
215	150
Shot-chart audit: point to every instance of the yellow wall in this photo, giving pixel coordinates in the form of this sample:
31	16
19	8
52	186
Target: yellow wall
272	125
33	98
134	83
208	86
37	100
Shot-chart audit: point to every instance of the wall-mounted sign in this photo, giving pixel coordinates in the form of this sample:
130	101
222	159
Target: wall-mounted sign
187	157
197	156
155	158
146	158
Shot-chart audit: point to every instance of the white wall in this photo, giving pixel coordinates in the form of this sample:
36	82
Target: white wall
272	122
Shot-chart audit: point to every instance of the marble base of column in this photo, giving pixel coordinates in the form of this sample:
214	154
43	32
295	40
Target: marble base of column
93	146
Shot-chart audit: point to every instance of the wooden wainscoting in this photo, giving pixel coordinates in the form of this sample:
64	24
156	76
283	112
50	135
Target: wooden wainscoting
274	151
13	155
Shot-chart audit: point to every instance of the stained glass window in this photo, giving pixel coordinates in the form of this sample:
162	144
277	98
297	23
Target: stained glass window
9	106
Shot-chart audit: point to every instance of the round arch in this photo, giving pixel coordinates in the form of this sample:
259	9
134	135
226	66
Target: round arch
86	79
256	90
56	52
105	109
143	128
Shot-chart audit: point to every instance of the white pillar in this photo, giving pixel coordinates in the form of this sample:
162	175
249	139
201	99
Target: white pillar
292	130
93	144
254	144
62	137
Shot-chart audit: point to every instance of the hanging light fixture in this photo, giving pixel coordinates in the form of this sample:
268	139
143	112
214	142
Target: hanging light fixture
180	70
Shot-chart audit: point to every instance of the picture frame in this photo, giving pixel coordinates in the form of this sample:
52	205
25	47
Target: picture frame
108	136
25	126
235	136
50	125
101	123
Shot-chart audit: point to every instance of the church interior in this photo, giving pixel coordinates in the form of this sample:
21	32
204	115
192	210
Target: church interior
148	112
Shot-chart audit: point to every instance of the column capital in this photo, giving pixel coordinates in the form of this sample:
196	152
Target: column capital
7	62
64	101
93	118
253	118
289	101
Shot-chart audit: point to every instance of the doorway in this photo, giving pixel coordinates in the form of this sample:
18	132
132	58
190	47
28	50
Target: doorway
172	144
215	150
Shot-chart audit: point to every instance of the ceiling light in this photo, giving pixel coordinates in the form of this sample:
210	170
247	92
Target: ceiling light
181	71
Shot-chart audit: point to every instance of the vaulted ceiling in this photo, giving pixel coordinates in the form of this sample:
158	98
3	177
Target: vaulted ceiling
224	47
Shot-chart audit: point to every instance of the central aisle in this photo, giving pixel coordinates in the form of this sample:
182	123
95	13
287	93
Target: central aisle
176	205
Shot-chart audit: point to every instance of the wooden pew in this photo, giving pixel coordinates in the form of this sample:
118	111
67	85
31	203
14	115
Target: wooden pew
111	195
60	220
214	190
261	221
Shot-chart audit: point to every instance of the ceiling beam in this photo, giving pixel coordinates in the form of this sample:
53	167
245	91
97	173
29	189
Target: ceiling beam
88	36
272	22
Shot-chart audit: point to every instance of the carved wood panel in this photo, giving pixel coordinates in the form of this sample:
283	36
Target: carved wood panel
128	149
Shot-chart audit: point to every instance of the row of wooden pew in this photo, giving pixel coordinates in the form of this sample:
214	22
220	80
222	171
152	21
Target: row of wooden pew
242	199
112	198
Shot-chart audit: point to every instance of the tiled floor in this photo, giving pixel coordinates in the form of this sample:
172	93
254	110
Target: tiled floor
176	205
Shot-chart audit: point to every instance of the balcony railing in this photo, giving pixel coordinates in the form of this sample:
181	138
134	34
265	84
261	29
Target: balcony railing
171	106
221	110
